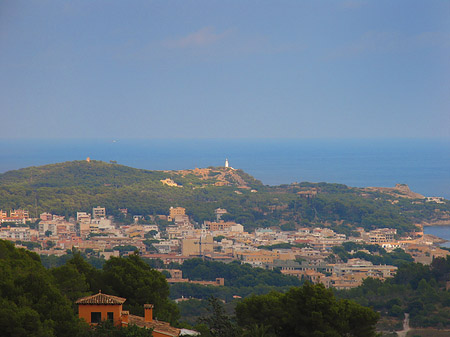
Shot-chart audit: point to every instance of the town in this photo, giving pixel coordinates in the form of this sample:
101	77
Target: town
306	253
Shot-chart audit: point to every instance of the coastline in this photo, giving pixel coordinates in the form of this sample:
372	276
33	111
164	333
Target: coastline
440	234
437	223
435	239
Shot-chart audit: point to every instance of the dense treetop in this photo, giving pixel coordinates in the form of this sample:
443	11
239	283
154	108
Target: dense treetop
40	302
31	304
307	311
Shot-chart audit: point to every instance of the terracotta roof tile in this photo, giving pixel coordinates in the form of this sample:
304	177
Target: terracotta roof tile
101	299
157	326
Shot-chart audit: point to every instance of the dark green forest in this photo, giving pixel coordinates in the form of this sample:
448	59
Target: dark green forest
240	280
307	311
36	301
66	188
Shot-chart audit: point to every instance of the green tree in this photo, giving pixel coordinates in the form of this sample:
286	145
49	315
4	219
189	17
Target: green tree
307	311
30	303
218	322
135	280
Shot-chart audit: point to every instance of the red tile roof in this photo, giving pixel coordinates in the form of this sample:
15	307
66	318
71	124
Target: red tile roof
157	326
101	299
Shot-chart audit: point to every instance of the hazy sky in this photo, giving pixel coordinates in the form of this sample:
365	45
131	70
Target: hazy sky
238	69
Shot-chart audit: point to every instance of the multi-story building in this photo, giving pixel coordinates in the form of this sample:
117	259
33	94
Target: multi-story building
17	220
19	213
19	216
358	266
46	216
176	212
83	217
257	258
98	212
218	226
197	246
382	235
44	227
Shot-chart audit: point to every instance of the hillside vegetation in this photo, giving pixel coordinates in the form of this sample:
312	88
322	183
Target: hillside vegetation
66	188
420	290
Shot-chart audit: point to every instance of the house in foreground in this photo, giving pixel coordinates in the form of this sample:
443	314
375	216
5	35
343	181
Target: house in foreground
100	307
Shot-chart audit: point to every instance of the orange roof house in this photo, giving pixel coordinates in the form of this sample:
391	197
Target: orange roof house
100	307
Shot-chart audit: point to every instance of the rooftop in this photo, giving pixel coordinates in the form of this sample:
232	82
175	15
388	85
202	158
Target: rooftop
157	326
101	299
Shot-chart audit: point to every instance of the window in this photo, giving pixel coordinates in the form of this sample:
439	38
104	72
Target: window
110	316
96	317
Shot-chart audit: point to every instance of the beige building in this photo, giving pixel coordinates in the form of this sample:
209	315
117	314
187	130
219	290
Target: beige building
218	226
257	258
197	246
83	217
358	266
19	213
98	212
46	216
175	212
382	235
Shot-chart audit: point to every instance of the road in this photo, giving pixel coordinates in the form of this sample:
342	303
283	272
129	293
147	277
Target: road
406	327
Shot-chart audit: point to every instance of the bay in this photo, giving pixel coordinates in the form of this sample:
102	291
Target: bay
439	231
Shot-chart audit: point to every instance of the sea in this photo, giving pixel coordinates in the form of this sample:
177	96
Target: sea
424	165
439	231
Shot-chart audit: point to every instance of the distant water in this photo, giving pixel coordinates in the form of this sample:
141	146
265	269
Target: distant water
439	231
423	165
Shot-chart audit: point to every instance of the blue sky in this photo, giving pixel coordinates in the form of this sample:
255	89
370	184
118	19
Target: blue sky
224	69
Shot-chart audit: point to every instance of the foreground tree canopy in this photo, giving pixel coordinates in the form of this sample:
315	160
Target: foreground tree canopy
31	304
128	277
38	302
307	311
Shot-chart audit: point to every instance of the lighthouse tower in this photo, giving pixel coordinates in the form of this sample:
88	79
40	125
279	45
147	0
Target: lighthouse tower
226	162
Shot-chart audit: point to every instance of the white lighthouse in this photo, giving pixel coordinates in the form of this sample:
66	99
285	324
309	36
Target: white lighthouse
226	162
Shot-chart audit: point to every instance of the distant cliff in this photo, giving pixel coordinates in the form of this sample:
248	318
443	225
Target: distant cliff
399	191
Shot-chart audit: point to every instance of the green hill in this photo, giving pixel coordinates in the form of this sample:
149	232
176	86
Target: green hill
98	173
66	188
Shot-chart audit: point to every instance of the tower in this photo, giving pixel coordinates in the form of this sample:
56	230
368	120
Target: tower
226	162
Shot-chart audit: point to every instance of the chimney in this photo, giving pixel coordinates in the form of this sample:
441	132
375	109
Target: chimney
148	308
125	315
